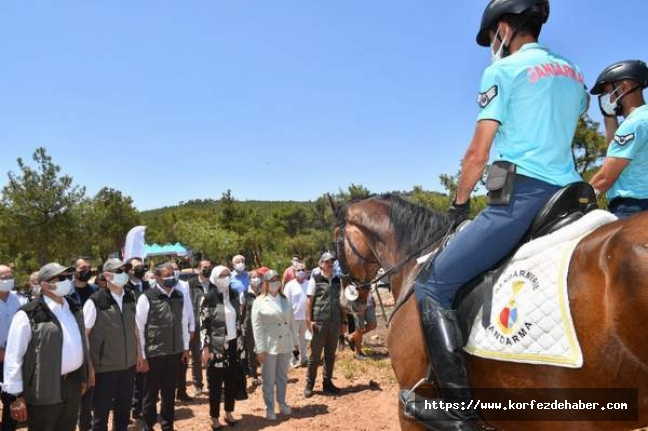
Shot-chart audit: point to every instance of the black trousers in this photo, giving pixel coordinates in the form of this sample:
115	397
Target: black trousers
58	417
182	378
325	339
138	394
250	354
85	411
196	361
161	379
113	389
223	372
8	423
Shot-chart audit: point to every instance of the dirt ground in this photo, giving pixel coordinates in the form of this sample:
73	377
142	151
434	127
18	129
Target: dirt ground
368	400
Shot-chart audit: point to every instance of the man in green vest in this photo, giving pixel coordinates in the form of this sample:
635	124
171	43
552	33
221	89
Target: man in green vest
324	317
109	316
46	366
162	324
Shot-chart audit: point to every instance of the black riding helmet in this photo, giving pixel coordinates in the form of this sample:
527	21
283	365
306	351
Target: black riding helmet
635	70
497	8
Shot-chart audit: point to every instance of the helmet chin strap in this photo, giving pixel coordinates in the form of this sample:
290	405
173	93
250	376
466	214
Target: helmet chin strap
619	106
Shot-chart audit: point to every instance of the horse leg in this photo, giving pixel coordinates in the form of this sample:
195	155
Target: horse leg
408	357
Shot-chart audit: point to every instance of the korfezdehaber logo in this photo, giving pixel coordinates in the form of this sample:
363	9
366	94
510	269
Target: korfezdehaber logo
622	140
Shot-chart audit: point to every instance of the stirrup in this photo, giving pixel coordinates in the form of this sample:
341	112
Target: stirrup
409	394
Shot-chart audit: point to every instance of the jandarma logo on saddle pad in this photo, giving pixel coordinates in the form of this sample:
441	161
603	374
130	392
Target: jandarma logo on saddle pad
509	327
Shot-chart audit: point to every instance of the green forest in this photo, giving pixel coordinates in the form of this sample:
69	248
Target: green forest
45	216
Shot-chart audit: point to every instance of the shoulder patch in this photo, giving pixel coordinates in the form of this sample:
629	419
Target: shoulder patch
622	140
483	99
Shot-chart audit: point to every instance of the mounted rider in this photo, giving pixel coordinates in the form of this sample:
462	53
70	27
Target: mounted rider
623	174
530	102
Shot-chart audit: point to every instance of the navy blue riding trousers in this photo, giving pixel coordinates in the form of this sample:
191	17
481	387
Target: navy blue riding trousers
490	237
626	207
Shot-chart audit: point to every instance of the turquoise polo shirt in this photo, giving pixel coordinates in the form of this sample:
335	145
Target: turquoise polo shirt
537	97
631	142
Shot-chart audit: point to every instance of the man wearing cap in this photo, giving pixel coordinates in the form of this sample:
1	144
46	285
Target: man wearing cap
9	304
295	291
324	318
623	174
109	317
46	367
162	325
81	292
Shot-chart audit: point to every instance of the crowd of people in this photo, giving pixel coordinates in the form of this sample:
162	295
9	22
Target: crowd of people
79	344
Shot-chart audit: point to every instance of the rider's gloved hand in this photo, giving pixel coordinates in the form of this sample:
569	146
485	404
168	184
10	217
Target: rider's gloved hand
458	212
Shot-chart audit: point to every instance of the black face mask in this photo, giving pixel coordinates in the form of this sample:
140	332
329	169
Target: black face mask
206	272
139	273
84	276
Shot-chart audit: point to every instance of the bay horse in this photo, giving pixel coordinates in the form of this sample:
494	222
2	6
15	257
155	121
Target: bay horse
608	296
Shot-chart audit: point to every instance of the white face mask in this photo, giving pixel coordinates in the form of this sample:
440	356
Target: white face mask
120	280
62	288
35	289
222	284
300	275
256	281
606	104
239	267
497	56
6	285
274	286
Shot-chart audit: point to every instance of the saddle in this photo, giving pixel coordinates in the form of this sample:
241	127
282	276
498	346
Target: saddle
565	207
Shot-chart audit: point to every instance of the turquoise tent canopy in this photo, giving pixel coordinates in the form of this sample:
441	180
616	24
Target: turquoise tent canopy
166	249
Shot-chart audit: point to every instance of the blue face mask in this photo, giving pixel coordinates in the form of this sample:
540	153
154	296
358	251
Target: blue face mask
169	282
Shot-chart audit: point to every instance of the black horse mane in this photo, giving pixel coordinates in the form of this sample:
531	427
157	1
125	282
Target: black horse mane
415	225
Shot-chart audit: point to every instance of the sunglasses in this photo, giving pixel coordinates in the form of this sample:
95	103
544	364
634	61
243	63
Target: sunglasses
62	277
118	271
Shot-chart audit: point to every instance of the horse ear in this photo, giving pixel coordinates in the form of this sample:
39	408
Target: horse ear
334	205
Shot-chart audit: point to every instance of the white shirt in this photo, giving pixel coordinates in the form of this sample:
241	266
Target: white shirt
20	335
204	284
183	287
296	294
141	318
90	310
230	317
7	310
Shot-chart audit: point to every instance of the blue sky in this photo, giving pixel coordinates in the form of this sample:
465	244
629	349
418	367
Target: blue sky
169	101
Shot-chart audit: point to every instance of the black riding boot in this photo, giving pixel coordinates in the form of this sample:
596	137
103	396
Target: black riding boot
444	348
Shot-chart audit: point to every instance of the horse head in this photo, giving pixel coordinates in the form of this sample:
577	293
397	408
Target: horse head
382	232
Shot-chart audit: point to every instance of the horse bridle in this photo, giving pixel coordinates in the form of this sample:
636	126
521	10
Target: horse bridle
340	241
